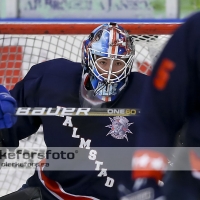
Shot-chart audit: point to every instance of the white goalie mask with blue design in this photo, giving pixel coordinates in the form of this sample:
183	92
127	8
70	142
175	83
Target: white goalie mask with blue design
107	59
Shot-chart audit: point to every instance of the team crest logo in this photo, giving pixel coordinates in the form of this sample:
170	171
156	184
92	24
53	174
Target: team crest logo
119	127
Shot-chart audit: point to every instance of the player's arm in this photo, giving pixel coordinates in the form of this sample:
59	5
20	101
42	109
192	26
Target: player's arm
7	118
169	99
25	93
7	108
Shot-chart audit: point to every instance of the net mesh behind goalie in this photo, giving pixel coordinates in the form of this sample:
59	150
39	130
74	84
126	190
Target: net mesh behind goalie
18	53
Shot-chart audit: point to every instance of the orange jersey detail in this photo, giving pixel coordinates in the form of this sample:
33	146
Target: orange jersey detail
194	161
163	74
148	164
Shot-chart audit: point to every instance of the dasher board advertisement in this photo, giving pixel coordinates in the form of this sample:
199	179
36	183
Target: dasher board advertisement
98	9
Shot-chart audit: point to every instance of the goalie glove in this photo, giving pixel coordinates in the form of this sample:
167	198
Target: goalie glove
143	189
7	109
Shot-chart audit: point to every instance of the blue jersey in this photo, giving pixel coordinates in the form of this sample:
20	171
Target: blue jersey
56	83
173	91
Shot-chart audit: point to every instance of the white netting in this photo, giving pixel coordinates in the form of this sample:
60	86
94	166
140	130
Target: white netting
19	52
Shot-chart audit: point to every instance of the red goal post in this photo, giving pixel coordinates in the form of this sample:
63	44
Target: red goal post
24	44
76	29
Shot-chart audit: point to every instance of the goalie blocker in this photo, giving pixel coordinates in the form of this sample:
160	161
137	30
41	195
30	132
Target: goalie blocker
32	193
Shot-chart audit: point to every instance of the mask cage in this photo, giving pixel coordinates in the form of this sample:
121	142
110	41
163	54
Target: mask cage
117	78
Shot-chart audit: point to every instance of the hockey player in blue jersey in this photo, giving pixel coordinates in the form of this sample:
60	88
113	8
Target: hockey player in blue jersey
104	80
173	102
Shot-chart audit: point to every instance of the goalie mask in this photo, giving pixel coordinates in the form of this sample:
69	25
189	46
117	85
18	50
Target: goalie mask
107	59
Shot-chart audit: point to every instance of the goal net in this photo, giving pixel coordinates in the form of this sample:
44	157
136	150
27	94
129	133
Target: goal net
24	45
